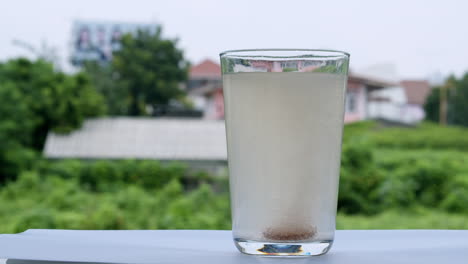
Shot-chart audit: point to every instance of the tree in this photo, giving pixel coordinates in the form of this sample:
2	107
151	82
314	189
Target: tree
104	78
16	124
431	107
151	68
35	99
457	100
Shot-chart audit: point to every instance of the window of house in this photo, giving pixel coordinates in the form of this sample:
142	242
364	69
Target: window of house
351	102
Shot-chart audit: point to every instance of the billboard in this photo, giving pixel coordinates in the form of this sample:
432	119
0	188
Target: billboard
96	41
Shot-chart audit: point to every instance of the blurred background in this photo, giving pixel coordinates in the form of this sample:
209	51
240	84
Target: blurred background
111	112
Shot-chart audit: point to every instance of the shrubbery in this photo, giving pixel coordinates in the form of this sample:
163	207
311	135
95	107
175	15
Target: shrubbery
380	179
59	201
397	179
426	135
106	175
34	99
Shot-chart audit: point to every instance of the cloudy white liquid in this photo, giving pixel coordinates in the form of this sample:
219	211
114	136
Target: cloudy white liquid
284	143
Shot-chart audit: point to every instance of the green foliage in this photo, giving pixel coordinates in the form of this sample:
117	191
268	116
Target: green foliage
373	181
106	175
150	68
54	200
358	131
16	118
54	100
16	125
402	167
432	104
426	135
359	179
456	194
104	78
35	98
416	218
424	177
457	100
384	184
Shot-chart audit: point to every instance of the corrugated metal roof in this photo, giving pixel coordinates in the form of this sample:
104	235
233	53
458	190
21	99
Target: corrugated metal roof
141	138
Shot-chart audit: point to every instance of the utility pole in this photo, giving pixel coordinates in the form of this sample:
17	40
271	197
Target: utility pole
443	105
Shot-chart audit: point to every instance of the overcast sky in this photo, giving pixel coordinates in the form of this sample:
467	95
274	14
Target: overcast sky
418	37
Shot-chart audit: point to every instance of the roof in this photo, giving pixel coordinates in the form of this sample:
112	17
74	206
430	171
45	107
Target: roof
206	89
416	91
370	80
206	69
141	138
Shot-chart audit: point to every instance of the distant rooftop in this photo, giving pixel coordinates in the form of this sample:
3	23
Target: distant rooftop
209	69
206	69
141	138
370	80
416	91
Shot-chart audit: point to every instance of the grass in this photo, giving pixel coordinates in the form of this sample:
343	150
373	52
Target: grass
396	219
426	135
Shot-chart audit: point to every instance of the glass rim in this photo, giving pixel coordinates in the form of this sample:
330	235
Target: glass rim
283	53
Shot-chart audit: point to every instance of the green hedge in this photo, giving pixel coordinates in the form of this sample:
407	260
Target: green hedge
416	218
378	181
423	136
373	181
33	201
111	175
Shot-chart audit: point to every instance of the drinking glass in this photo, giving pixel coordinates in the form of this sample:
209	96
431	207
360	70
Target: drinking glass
284	121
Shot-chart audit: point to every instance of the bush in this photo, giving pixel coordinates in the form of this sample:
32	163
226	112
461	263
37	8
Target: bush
107	175
380	179
424	136
416	218
359	179
35	99
456	195
51	201
423	178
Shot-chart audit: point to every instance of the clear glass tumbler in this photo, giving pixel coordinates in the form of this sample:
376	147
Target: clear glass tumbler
284	121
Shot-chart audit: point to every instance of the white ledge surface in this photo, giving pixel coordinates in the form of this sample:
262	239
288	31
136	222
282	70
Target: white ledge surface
202	246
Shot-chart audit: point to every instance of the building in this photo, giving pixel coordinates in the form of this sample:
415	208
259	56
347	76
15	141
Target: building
358	96
402	103
200	143
416	91
205	89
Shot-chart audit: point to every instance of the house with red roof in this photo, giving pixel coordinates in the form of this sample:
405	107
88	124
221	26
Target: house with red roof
402	103
205	90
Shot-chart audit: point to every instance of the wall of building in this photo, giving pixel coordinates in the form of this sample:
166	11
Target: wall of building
355	108
392	104
404	113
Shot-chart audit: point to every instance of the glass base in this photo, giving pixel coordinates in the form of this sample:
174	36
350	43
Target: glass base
315	248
